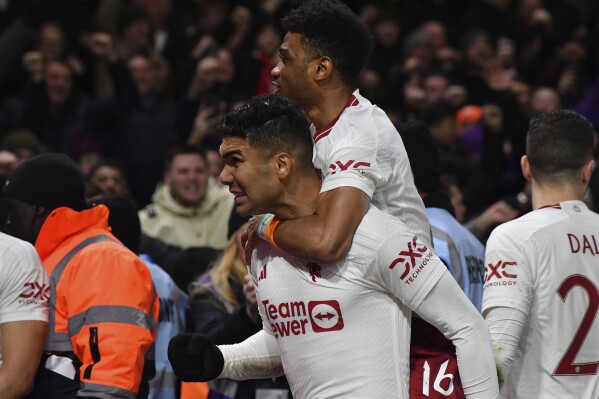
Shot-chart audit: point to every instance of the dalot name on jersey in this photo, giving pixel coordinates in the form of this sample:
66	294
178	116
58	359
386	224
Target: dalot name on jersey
299	317
583	244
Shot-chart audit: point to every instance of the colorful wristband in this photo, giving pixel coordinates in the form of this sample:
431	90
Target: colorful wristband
266	228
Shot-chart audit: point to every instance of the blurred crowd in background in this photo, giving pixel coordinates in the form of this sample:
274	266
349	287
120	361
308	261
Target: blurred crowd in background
116	84
132	91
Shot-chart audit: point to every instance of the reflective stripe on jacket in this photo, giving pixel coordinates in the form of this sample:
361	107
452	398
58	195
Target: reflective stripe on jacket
103	305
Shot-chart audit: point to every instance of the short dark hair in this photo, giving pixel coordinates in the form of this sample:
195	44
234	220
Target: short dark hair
330	28
558	145
182	149
271	123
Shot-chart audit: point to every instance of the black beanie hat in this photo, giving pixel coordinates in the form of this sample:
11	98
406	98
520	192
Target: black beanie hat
51	180
423	155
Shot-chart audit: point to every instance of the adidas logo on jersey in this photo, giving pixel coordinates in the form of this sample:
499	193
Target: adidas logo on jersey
262	274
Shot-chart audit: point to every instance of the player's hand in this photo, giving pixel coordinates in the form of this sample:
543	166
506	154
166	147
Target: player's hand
249	238
195	358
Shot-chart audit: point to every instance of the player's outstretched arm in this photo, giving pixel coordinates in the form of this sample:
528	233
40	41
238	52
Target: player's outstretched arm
326	236
257	357
448	309
195	358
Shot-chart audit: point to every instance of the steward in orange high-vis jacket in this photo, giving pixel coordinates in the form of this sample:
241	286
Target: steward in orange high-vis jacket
103	306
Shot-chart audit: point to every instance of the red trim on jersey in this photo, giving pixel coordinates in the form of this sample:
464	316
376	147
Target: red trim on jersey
324	132
554	206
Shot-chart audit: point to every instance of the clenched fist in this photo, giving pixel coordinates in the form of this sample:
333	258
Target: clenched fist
195	358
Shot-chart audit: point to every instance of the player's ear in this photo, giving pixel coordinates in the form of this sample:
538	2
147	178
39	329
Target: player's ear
587	170
324	68
525	165
283	165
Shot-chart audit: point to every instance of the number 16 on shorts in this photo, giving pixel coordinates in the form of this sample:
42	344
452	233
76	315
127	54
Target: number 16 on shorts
435	379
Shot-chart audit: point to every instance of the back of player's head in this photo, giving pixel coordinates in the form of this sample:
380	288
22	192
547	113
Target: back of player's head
558	145
271	123
330	28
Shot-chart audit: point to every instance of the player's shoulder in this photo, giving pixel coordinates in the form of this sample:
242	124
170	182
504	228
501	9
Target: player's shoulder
17	254
12	246
364	117
377	227
527	226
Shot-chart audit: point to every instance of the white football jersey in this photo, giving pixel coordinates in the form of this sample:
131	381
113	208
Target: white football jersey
24	284
362	149
343	329
546	264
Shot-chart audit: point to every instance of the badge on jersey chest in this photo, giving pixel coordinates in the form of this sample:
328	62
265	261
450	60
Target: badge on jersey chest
314	269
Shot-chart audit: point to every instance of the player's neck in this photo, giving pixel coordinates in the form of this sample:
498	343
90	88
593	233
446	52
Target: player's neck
300	197
329	104
546	196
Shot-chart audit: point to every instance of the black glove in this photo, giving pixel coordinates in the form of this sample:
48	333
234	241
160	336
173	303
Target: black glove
195	358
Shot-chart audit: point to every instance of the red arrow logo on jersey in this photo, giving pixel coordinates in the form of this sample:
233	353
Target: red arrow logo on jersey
327	316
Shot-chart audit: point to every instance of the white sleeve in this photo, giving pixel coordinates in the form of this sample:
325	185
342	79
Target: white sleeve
257	357
408	268
448	309
508	272
24	285
352	161
506	326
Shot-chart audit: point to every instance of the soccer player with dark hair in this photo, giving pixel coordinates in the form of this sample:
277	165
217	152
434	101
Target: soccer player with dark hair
358	153
540	296
342	330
